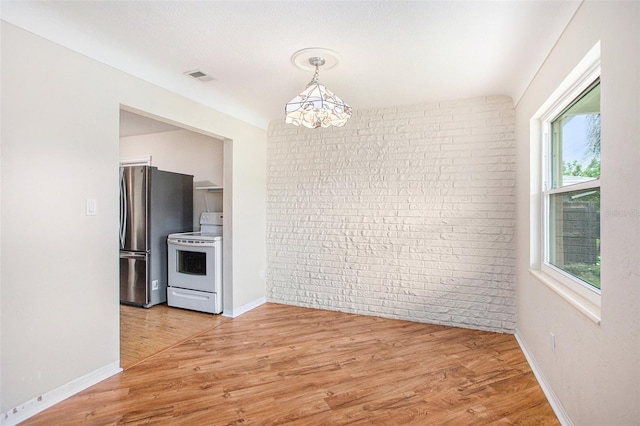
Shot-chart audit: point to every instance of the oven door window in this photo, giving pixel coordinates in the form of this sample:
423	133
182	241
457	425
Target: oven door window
192	262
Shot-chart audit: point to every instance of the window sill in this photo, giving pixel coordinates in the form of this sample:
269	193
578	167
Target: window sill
590	310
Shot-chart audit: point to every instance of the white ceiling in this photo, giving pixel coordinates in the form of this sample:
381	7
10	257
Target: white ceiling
393	52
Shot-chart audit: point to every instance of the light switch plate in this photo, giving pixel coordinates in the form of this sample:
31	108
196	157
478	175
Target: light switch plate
92	207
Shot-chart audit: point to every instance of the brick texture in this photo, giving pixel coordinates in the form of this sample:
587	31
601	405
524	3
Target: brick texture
406	212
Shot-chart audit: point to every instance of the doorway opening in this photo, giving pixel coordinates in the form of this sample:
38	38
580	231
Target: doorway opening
145	332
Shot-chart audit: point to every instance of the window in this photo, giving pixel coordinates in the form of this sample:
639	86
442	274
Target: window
572	190
565	188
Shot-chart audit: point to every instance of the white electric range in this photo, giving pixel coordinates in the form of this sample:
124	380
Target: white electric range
195	266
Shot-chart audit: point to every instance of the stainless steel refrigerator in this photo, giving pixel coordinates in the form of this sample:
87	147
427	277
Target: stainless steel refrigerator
153	204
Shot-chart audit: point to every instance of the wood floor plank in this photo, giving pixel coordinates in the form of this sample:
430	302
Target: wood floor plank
281	364
145	332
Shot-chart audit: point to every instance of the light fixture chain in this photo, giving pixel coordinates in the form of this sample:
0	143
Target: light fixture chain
314	80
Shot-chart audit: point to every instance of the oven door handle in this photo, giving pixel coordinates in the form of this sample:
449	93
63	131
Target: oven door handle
187	244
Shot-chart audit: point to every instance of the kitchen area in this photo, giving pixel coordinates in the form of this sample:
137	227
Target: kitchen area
171	235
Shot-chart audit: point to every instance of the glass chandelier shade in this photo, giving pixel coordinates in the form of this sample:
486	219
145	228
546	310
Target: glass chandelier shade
317	106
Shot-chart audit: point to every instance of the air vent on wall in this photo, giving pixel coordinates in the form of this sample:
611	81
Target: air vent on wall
199	75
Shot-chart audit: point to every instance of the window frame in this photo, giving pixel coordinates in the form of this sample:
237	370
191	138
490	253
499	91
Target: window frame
574	283
580	294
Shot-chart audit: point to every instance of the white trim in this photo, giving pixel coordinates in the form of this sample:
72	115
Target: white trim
48	399
559	277
233	313
141	161
590	184
591	310
555	403
581	77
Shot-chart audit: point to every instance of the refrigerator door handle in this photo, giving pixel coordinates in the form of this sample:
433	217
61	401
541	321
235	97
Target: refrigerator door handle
123	208
131	255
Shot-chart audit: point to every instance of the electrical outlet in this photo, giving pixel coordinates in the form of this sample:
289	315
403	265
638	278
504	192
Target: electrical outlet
154	285
552	341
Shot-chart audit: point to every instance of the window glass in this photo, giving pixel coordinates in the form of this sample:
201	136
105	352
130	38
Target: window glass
574	234
575	142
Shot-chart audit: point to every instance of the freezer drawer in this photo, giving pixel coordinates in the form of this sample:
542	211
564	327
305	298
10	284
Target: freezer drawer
133	278
195	300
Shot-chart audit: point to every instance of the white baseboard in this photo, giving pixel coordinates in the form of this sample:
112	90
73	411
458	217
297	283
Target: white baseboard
557	407
233	313
48	399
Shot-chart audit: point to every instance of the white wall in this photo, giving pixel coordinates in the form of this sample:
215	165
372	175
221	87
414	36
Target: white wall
594	373
59	283
406	212
183	151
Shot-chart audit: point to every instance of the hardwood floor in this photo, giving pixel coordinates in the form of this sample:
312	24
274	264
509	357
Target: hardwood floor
280	364
145	332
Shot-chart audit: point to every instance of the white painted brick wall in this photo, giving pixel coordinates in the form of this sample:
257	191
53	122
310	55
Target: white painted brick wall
406	212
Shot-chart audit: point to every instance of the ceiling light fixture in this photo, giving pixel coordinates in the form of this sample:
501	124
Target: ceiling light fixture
316	106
